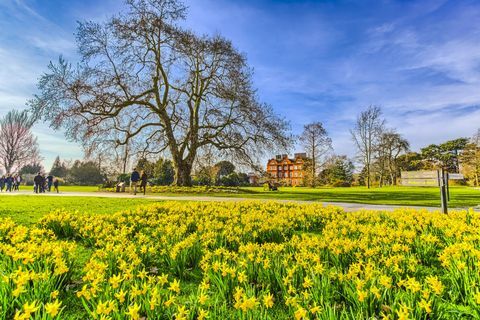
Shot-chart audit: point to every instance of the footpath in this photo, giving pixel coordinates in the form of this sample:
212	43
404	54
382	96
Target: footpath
346	206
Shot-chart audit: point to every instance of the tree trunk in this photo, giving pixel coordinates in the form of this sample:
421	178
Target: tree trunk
183	171
368	177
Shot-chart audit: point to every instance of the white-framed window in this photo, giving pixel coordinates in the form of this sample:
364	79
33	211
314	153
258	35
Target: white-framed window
285	167
295	167
280	168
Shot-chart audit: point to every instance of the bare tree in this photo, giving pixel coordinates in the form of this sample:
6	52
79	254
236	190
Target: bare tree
317	144
182	92
18	145
366	134
390	145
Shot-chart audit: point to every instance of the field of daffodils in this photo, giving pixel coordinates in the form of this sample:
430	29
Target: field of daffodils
243	260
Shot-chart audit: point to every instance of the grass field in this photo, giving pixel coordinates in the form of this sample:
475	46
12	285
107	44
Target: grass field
460	197
29	209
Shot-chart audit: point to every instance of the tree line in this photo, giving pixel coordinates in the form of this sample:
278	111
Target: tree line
382	153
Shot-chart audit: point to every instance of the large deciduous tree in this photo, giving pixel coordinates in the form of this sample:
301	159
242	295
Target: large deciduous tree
317	144
18	145
178	91
366	134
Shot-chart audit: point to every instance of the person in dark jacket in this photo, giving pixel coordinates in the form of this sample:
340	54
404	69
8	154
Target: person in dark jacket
134	178
2	183
49	182
143	183
55	184
38	183
9	183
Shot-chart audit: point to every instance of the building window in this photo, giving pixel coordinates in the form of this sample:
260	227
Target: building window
280	168
295	167
285	167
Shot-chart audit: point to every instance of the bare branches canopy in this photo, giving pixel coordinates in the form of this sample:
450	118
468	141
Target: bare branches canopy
317	144
18	145
144	78
365	135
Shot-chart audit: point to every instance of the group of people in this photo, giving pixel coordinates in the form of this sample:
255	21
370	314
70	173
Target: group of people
10	182
138	179
42	184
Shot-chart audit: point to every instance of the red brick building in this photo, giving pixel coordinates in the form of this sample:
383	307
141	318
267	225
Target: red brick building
285	170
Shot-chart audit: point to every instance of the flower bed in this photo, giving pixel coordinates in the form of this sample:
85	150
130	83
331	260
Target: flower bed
252	260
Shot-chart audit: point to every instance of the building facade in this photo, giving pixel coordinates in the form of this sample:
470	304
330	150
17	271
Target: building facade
287	171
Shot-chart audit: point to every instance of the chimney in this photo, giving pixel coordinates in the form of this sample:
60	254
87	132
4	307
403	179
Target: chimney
302	155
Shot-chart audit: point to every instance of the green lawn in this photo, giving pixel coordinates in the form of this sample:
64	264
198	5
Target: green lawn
29	209
460	197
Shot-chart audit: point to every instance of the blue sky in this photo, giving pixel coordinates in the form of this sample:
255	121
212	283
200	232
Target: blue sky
313	60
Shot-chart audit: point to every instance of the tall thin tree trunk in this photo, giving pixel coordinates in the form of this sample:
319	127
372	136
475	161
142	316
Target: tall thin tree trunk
368	176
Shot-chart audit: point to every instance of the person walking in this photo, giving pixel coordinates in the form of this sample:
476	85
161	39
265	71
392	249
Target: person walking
134	178
18	181
2	183
38	182
9	183
143	183
44	183
55	184
49	182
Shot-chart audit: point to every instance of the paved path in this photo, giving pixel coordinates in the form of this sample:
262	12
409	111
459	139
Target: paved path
346	206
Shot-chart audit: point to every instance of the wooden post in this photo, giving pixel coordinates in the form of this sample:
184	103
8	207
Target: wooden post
443	190
446	176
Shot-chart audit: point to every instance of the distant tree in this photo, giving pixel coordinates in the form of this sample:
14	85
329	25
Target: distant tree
390	146
85	173
18	145
164	172
32	168
59	168
182	91
411	161
223	168
337	171
317	144
445	155
230	180
204	176
243	179
366	135
470	159
147	166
